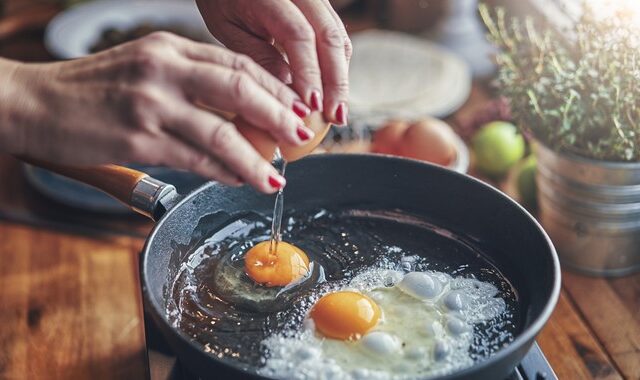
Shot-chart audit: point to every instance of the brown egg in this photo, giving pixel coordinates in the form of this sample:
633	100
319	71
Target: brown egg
315	121
386	140
266	145
429	140
261	140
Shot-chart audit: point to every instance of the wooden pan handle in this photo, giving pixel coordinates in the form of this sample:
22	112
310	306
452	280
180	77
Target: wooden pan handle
117	181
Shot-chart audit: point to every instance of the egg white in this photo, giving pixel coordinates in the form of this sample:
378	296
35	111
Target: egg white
426	329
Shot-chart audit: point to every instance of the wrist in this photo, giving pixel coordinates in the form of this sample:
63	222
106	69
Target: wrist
18	106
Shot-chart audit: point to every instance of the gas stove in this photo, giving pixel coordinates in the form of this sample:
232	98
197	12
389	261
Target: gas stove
163	364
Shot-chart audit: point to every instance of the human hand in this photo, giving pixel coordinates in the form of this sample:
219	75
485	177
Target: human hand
310	33
138	102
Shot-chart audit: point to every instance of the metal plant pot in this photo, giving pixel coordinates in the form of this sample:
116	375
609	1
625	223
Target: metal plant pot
591	211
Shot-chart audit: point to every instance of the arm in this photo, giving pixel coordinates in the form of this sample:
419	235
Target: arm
139	102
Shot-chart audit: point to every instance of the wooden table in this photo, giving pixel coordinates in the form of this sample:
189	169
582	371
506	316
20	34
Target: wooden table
70	304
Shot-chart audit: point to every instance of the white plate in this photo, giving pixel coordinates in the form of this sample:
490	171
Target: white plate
71	33
394	75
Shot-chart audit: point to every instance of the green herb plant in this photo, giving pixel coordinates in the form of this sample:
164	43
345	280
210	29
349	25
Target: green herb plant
576	91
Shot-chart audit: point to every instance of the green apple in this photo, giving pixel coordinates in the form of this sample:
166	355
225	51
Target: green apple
498	146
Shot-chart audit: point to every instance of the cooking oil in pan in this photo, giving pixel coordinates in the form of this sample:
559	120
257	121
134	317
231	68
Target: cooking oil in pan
266	329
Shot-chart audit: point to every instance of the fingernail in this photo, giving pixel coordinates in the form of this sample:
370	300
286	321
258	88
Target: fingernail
341	113
277	181
316	100
300	109
304	133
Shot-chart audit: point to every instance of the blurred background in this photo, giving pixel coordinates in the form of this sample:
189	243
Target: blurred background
422	66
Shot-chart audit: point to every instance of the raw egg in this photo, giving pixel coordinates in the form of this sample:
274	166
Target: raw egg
429	140
345	315
265	144
287	264
386	140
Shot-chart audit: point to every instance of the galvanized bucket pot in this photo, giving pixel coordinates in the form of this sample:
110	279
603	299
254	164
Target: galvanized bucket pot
591	211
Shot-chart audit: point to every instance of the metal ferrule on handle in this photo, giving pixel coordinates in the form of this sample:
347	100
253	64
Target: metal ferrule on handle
147	195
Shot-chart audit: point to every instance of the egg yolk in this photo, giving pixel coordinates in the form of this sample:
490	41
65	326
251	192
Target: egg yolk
282	267
345	315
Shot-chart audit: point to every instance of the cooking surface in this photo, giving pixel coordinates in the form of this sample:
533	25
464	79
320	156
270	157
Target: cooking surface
70	305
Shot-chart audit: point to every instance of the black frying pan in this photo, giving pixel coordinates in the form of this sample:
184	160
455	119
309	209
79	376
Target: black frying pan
510	238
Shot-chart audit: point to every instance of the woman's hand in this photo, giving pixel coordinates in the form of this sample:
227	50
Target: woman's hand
310	33
137	103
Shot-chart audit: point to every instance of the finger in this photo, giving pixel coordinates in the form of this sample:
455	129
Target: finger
348	47
220	138
164	148
290	29
222	88
180	155
269	68
261	51
330	42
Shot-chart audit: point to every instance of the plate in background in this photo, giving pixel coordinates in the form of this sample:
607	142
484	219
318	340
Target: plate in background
396	75
72	32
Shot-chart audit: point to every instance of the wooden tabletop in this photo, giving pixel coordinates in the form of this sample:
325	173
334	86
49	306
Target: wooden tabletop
70	303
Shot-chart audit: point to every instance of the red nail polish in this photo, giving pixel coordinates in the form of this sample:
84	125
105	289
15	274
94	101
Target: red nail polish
300	109
276	182
316	100
303	134
341	114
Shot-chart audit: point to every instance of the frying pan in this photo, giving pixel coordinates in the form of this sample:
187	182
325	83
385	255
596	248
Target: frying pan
510	238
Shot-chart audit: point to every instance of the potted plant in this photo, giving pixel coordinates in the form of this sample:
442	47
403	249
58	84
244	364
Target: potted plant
576	93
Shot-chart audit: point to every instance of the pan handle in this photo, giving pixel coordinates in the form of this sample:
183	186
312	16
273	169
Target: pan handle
142	193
